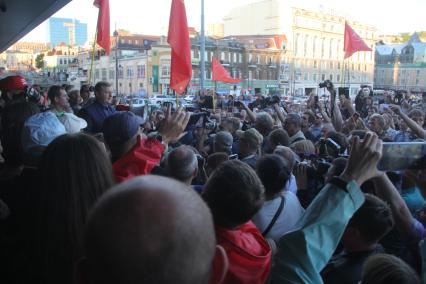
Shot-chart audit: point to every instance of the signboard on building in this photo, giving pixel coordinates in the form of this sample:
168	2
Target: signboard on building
155	78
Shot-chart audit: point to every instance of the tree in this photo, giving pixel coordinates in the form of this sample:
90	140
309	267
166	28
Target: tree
40	61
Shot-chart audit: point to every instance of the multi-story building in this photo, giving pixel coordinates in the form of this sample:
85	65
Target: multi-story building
68	31
256	65
32	47
14	60
314	47
60	59
401	66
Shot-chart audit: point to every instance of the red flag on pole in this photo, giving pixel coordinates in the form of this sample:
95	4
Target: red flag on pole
178	38
353	42
103	35
221	74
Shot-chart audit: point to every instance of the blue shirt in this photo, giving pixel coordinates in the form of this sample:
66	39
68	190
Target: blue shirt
95	114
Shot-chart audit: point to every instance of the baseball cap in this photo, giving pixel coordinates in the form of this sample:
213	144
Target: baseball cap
72	123
13	83
121	126
252	136
41	129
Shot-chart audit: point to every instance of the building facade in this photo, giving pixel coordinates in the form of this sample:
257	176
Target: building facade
68	31
313	50
401	66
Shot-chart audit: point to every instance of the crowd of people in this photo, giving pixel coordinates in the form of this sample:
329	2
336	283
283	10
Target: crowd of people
237	190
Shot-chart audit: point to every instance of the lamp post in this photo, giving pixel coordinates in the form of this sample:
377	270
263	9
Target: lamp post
116	61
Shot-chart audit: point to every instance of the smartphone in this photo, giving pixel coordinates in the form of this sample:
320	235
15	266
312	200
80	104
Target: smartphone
405	155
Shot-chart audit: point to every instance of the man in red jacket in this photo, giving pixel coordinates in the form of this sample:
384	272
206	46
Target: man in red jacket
234	194
134	155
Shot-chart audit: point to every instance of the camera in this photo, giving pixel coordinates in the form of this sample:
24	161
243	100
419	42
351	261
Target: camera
326	84
272	100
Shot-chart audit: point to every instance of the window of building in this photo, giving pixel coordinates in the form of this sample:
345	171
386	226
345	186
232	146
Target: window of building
129	72
235	57
250	57
229	57
258	59
417	73
314	46
305	46
296	44
338	78
331	65
314	77
141	71
96	73
240	58
120	73
330	51
60	61
417	81
111	74
122	41
306	76
331	77
104	74
165	71
322	77
136	41
315	64
322	47
222	56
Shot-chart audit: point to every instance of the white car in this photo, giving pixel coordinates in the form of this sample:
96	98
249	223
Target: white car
159	99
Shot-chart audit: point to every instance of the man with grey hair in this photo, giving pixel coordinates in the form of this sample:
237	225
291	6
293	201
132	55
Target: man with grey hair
264	123
223	142
290	157
182	164
293	126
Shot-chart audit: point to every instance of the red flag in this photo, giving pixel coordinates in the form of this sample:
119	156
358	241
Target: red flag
103	35
353	42
221	74
178	38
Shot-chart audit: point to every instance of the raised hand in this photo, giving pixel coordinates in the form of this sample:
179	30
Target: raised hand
173	125
365	155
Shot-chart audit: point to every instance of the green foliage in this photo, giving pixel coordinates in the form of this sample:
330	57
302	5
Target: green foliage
40	61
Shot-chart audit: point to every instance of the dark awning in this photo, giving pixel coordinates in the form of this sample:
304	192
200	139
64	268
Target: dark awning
19	17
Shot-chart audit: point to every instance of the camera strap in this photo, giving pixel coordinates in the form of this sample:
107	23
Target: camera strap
274	219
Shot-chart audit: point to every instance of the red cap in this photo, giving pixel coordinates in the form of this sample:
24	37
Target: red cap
13	83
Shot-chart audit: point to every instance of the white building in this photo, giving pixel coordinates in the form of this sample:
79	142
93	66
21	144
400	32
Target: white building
314	47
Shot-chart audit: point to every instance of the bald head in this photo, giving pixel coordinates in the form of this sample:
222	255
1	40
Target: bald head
182	164
150	229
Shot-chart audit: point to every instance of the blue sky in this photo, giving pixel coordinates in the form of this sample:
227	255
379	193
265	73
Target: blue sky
151	16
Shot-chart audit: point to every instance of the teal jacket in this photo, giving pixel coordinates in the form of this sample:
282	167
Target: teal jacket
303	253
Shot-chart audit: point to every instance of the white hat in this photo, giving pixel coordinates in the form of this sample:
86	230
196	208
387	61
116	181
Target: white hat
72	123
41	129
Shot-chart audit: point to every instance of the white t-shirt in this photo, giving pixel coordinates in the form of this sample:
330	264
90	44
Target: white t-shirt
286	221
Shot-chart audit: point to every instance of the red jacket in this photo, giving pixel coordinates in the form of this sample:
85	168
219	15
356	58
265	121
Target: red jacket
248	253
143	157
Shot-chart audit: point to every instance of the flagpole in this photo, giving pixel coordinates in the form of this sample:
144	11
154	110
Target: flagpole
202	49
93	50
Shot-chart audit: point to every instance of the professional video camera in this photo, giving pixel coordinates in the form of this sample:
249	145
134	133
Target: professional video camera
326	84
202	119
269	101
